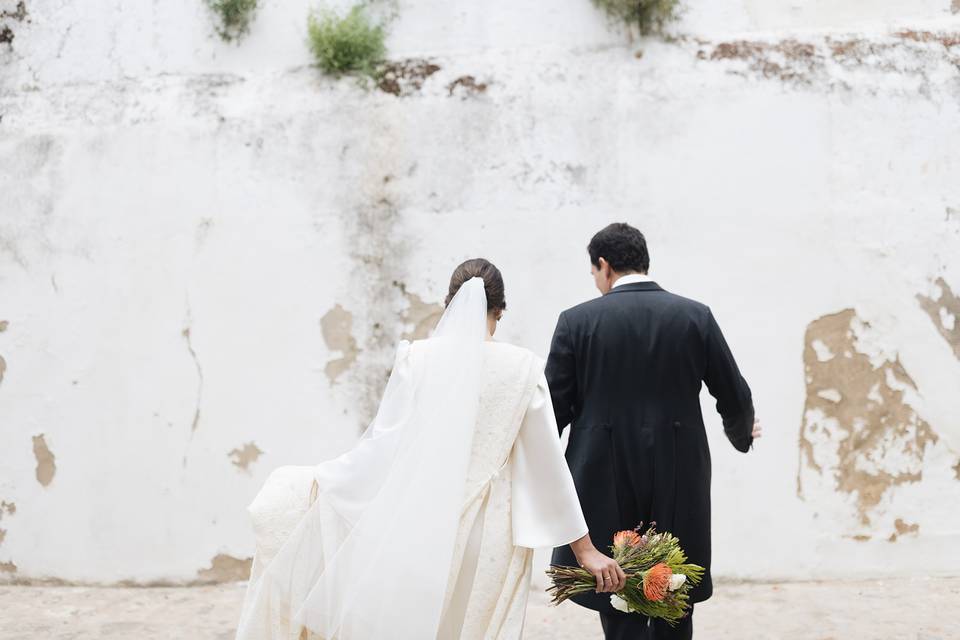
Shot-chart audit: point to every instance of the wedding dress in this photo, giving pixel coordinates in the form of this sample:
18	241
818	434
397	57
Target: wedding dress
425	529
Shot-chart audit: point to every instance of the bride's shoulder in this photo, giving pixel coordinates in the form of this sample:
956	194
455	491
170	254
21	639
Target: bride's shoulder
505	346
509	351
418	349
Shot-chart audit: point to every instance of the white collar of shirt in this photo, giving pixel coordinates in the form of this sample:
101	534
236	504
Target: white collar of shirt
631	278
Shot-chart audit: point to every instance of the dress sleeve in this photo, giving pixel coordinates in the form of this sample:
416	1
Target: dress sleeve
546	510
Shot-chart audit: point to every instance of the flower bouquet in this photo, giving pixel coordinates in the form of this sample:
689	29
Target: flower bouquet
659	578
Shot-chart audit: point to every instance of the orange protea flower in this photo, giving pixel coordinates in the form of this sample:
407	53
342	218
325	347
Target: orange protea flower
626	539
656	581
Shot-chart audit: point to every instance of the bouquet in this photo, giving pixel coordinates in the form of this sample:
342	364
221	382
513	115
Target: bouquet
659	578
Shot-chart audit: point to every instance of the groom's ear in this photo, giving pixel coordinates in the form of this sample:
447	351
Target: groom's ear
603	266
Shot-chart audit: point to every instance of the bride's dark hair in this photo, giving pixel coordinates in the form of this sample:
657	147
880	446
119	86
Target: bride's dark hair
492	282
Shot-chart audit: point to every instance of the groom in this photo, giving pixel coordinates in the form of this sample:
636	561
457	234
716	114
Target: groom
625	372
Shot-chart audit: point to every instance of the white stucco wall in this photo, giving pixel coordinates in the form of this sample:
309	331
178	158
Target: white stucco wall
205	246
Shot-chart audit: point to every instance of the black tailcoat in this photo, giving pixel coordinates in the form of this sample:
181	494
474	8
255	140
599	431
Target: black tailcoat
625	372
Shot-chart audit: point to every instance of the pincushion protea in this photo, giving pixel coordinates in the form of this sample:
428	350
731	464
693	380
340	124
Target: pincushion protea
623	539
656	581
659	578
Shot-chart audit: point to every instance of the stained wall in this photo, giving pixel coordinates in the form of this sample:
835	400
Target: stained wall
208	251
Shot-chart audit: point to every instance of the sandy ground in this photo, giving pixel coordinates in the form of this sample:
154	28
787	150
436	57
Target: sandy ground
920	609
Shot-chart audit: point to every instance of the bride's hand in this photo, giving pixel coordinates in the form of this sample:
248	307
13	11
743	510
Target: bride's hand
757	429
610	577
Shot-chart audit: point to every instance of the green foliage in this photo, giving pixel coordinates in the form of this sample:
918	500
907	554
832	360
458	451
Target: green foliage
638	556
352	43
235	17
649	16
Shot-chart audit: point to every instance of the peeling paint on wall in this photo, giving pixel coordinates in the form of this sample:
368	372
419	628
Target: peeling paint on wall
420	316
46	461
903	528
829	62
337	326
947	40
18	14
859	435
406	77
226	568
786	60
466	86
9	509
245	456
944	311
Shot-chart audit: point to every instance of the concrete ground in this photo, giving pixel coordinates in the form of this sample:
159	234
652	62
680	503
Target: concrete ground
918	609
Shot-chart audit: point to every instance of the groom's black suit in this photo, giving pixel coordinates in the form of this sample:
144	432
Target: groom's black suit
625	372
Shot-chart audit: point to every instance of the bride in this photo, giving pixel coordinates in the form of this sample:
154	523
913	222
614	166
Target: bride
426	528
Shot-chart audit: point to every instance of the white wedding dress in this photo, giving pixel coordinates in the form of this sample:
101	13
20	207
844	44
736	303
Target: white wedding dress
425	529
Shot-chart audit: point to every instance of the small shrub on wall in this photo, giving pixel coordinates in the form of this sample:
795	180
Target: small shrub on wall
348	44
234	17
649	16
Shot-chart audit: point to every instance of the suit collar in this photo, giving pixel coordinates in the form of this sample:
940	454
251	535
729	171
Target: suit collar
636	286
631	278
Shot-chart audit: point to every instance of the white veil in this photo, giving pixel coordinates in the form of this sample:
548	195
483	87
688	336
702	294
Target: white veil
371	558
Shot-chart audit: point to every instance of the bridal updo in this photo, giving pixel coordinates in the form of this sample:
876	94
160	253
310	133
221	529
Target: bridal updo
492	282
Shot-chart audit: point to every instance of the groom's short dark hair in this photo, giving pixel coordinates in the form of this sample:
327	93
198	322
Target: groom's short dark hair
622	246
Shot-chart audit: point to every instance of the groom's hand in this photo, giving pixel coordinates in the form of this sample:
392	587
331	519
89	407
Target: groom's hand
757	429
610	577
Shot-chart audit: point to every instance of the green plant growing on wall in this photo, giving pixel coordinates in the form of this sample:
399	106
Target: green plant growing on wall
648	16
348	44
234	17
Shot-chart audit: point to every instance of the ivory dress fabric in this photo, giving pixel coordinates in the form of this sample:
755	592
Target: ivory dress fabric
519	496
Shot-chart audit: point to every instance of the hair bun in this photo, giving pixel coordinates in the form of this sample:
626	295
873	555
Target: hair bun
482	269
